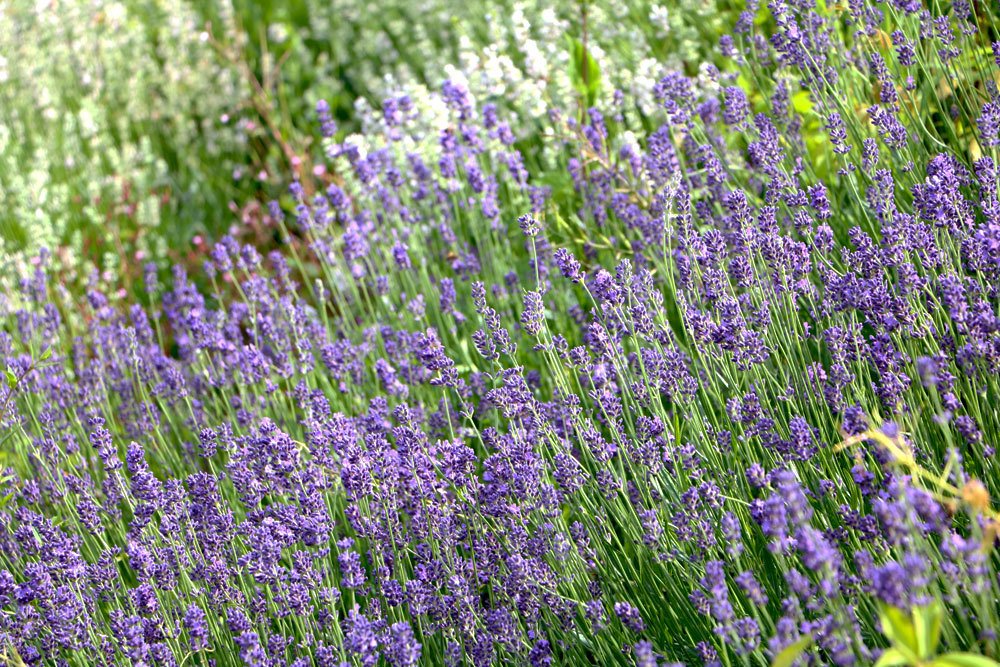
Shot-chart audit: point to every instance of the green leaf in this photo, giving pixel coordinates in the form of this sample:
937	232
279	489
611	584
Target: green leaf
898	627
964	660
802	103
892	658
11	379
792	652
46	354
927	627
584	70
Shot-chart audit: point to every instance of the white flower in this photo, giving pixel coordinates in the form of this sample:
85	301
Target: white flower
660	19
277	33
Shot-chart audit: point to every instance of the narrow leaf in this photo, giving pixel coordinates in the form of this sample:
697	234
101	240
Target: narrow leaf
585	73
792	652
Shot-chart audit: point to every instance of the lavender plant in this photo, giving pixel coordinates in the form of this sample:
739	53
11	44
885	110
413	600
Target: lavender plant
726	394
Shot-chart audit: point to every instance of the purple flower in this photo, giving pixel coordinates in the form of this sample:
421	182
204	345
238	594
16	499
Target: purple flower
197	628
737	106
533	315
630	617
568	266
361	638
403	650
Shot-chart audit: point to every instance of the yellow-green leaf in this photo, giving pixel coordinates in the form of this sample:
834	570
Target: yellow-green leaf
12	657
802	103
892	657
898	627
964	660
792	652
927	627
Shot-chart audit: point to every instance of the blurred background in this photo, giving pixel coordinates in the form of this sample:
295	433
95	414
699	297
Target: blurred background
141	130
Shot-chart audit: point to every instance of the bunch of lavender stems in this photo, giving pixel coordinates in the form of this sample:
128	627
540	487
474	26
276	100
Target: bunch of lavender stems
490	404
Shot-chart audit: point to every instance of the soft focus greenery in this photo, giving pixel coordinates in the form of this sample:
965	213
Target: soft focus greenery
128	130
